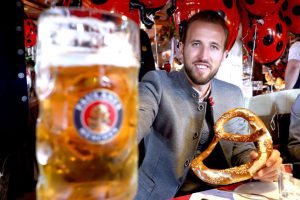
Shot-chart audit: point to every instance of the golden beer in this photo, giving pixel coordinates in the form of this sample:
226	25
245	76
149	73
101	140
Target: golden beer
86	132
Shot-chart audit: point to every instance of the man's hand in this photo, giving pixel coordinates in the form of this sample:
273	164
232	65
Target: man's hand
269	172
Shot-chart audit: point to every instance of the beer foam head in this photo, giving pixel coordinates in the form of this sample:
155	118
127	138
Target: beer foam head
66	40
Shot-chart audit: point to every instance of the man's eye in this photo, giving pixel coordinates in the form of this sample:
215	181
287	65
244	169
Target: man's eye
215	47
195	44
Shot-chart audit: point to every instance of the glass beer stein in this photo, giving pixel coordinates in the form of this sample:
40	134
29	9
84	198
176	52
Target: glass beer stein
87	69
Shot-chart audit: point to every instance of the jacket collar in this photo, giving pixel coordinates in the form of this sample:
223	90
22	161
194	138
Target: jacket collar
217	95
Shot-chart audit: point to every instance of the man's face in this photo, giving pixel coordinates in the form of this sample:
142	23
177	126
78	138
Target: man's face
203	51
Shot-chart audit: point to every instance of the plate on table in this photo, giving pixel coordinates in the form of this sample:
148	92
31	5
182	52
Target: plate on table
268	189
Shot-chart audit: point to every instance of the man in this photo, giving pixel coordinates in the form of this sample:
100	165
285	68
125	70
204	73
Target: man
177	112
294	131
292	72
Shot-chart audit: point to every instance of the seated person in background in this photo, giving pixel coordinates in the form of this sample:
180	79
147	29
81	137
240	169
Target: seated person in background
294	133
292	72
147	59
177	111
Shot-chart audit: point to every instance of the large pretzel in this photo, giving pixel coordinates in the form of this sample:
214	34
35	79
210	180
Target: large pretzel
259	134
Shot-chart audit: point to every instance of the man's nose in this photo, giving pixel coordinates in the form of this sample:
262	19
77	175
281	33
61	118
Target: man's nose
204	53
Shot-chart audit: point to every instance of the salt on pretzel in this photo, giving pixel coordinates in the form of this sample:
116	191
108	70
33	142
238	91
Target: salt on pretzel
260	134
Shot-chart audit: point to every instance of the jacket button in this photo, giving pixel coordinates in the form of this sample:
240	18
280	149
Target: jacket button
200	107
196	135
186	163
194	95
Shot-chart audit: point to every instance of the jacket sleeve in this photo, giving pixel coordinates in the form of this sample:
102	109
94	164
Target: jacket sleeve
150	92
294	131
241	150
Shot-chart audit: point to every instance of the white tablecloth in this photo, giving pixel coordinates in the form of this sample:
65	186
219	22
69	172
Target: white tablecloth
266	106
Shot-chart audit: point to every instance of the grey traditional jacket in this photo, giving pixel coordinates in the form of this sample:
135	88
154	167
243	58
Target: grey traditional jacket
170	121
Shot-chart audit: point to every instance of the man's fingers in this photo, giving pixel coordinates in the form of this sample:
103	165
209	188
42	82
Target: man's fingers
267	177
269	172
274	159
266	174
253	155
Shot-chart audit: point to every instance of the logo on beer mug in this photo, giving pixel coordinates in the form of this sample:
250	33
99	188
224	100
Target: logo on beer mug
98	116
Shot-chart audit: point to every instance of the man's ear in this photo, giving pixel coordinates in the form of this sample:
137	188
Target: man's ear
225	54
181	46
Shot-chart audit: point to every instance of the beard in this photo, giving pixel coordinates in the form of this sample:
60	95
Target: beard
199	80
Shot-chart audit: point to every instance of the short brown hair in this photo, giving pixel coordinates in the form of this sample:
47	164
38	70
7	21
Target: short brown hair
206	16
